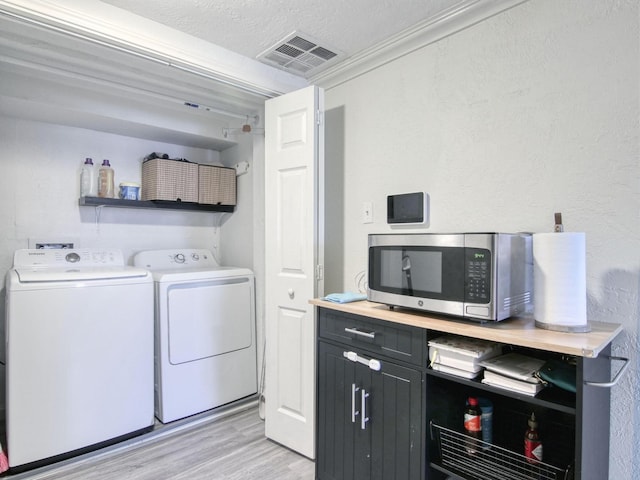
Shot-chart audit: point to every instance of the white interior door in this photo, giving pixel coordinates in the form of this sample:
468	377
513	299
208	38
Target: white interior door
294	148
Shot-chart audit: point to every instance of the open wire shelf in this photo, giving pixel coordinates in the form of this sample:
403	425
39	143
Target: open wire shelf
486	461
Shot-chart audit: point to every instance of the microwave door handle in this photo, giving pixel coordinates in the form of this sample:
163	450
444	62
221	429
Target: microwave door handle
406	268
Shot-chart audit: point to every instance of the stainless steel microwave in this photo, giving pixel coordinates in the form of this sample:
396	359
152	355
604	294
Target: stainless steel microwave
480	276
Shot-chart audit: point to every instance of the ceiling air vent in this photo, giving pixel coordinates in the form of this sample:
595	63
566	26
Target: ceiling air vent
299	54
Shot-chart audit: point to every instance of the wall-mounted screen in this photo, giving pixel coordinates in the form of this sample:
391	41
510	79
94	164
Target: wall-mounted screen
408	209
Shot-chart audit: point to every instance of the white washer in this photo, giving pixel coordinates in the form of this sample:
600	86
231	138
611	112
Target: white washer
205	332
79	353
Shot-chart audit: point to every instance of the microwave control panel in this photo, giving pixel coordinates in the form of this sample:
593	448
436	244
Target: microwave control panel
478	275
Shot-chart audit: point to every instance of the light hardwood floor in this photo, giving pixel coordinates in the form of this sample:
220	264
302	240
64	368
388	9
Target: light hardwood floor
229	448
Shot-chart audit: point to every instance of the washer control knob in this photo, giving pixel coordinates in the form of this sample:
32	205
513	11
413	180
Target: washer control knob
195	256
72	257
179	258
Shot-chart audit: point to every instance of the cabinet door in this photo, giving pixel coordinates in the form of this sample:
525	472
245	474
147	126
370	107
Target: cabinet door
344	442
396	414
369	421
337	414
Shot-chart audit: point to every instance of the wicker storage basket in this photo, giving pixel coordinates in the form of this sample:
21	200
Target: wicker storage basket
173	180
216	185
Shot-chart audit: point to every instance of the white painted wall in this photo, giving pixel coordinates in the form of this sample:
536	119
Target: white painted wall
531	112
237	243
243	241
39	191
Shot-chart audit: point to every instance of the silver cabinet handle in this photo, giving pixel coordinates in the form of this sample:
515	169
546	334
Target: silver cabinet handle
616	378
355	331
363	419
354	412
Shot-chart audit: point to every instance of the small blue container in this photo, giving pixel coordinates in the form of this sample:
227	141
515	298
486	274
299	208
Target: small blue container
129	191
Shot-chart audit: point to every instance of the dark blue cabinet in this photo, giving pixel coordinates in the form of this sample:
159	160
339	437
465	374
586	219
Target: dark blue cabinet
382	411
370	406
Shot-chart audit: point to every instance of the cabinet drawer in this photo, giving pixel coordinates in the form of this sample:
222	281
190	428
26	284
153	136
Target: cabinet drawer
392	340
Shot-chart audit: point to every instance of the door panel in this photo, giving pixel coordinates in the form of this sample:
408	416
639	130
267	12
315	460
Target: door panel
337	415
293	238
396	406
293	251
207	319
291	364
364	402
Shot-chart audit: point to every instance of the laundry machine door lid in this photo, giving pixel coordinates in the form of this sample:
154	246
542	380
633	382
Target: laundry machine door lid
206	319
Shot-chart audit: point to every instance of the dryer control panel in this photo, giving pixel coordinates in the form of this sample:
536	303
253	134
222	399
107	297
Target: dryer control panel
175	259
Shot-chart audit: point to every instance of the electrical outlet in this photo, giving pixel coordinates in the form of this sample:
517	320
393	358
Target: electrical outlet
367	212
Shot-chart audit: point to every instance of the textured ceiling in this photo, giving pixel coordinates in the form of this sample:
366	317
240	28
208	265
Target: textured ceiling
249	27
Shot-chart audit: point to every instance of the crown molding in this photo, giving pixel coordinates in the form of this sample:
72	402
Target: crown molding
109	26
461	16
106	25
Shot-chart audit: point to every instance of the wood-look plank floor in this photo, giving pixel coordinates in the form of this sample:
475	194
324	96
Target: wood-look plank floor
230	448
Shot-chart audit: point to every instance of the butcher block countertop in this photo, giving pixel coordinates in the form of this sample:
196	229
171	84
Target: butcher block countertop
513	331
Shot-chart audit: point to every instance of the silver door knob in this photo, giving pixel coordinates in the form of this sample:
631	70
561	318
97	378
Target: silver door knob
291	293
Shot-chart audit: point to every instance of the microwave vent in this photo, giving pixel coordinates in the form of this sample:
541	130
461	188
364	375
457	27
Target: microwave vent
521	299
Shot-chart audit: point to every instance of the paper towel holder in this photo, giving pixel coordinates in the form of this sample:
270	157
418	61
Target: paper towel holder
558	327
558	227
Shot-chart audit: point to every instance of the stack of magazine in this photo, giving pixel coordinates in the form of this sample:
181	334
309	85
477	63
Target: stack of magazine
515	372
460	356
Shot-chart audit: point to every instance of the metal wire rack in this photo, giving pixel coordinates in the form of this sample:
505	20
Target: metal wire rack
486	461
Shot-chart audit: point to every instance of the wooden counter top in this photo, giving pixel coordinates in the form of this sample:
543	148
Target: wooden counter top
513	331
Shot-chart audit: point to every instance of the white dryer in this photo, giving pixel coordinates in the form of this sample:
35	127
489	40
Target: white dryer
205	335
79	353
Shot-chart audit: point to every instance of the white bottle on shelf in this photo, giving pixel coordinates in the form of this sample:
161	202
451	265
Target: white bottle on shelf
105	180
88	182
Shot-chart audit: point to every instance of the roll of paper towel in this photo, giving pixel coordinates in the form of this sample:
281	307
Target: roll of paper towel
559	281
